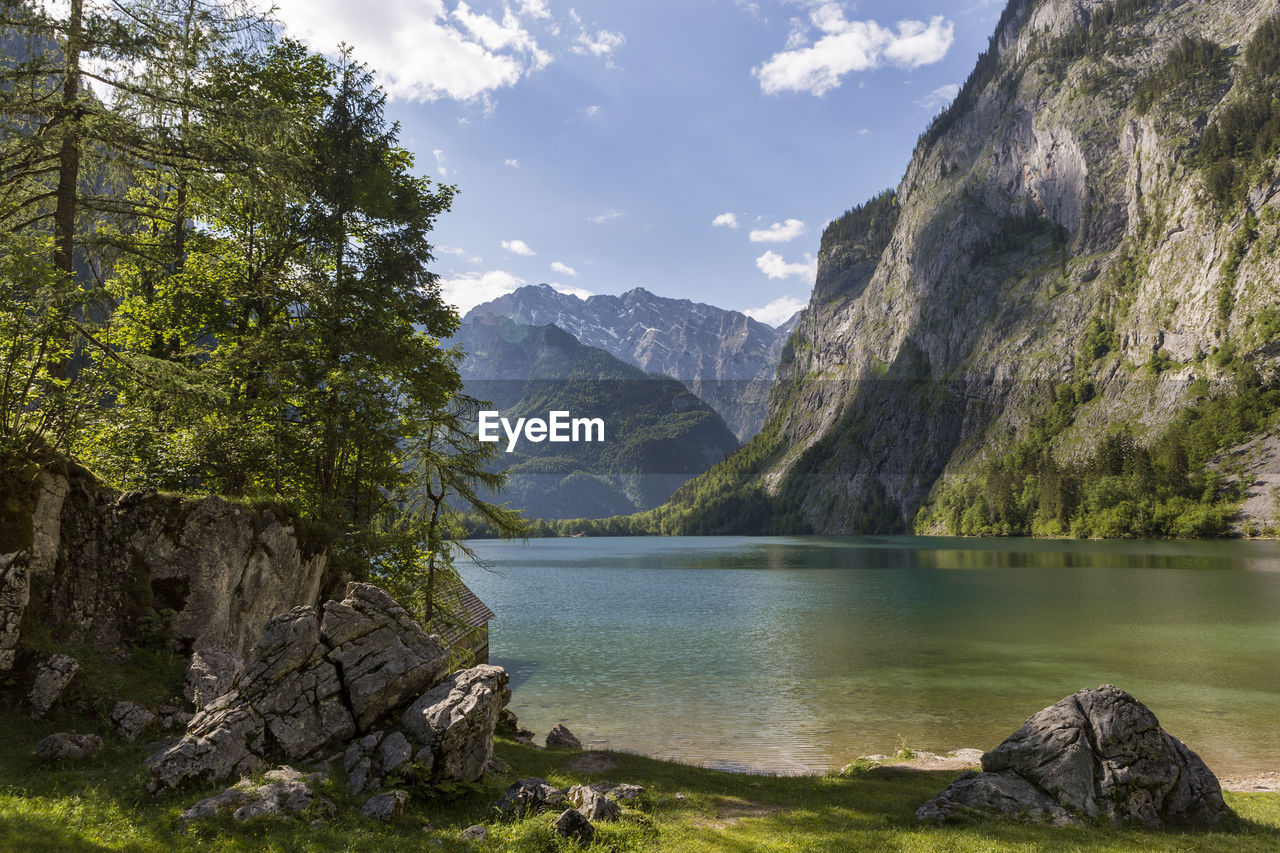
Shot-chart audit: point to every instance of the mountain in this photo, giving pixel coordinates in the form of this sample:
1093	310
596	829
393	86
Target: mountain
725	357
657	434
1065	313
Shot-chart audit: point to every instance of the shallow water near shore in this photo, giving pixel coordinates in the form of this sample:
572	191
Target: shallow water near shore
798	654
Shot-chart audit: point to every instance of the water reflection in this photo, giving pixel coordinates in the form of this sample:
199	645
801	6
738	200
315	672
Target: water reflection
794	654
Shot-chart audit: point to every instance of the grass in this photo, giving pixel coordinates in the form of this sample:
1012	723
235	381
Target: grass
101	804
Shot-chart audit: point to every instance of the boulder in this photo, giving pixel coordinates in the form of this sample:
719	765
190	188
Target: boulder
316	678
51	681
210	674
129	719
455	721
624	793
561	738
572	825
475	832
595	805
67	746
528	796
386	658
1097	754
509	725
286	792
385	807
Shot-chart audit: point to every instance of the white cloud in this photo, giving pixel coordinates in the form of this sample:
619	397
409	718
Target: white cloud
844	46
571	290
594	109
602	43
460	253
863	132
726	220
470	289
440	162
420	49
605	216
776	312
939	97
564	269
534	9
518	247
778	232
775	266
512	162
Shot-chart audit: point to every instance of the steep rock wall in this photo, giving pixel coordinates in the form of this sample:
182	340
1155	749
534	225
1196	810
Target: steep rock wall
1046	199
95	565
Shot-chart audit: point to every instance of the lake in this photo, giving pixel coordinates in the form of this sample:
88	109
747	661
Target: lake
798	654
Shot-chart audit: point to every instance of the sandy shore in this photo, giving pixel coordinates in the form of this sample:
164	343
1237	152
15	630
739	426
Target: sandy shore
971	759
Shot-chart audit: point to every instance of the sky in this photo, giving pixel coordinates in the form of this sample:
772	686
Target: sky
695	148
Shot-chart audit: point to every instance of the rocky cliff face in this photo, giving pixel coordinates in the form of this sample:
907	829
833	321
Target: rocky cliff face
1063	187
724	357
93	566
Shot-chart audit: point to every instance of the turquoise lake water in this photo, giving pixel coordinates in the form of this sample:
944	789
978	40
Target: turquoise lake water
798	654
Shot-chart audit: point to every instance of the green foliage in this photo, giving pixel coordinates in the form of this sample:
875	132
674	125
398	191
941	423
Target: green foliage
1013	233
216	280
1262	54
1193	63
1244	137
862	233
1167	489
1236	251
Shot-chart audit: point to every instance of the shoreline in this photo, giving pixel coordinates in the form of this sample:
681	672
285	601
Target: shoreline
599	760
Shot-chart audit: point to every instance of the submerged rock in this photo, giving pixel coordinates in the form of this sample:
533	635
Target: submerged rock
1097	754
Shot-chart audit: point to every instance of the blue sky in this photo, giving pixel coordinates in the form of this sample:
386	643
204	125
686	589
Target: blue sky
695	148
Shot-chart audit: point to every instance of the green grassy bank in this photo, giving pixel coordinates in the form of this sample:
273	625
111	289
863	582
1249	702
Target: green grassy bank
101	804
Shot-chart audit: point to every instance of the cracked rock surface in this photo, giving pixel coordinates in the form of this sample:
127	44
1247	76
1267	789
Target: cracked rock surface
1097	754
318	676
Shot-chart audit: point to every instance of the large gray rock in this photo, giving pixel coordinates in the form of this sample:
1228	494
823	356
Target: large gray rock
314	679
1097	754
286	792
210	674
455	722
52	679
528	796
386	658
222	568
593	803
65	746
385	807
15	593
129	719
574	826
